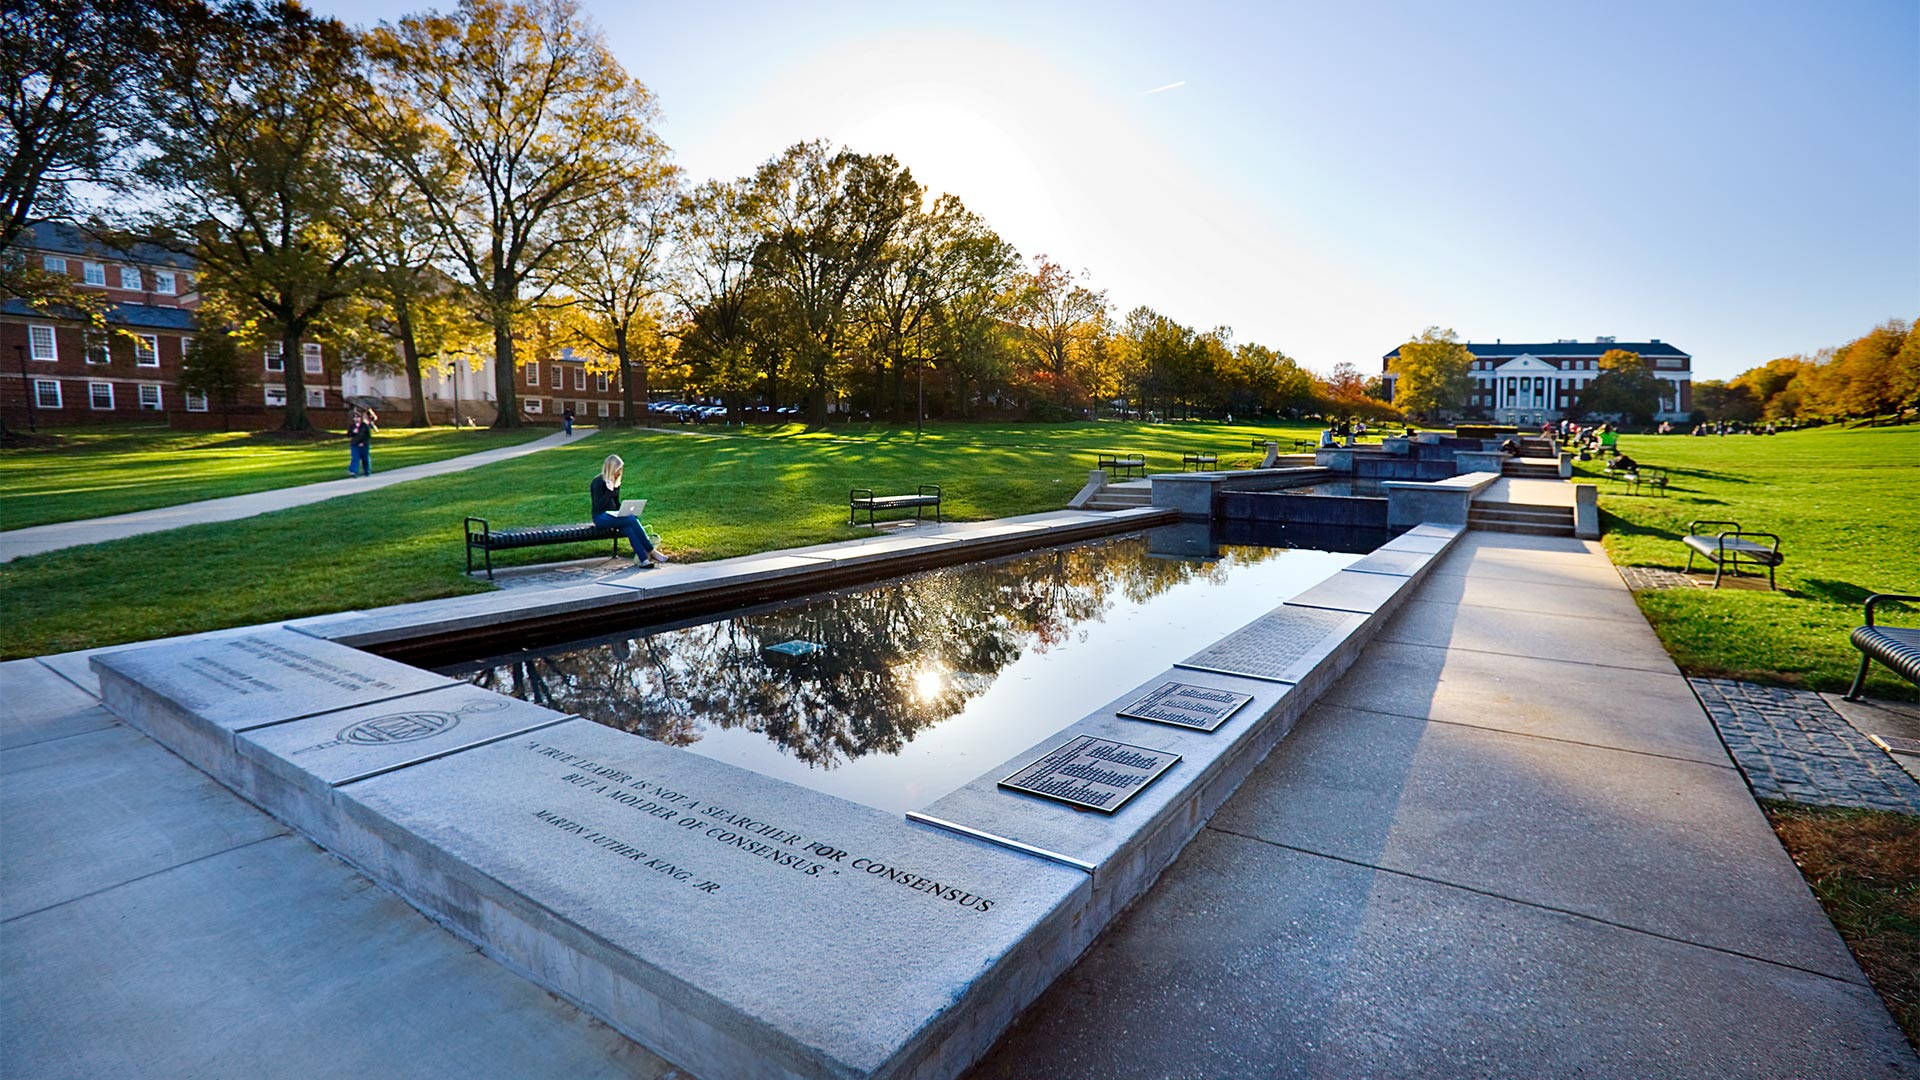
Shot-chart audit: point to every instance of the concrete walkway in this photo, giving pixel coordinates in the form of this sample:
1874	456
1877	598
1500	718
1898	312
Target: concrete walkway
19	543
1508	843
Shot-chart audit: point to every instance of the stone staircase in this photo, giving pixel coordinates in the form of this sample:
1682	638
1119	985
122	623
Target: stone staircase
1123	496
1529	518
1532	470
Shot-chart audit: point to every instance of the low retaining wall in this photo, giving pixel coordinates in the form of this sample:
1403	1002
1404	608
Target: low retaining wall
1441	502
1193	495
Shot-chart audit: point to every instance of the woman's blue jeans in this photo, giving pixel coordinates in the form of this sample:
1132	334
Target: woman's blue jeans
360	460
636	535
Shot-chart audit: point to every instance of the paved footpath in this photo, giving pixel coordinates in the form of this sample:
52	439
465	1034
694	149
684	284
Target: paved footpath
1508	843
19	543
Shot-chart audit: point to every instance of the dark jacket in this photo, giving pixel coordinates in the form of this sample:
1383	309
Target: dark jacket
360	434
605	499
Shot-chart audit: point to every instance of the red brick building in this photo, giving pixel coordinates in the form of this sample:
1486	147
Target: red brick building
56	370
1526	384
549	387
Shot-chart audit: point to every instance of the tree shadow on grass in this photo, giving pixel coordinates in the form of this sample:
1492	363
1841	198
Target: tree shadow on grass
1614	523
1707	474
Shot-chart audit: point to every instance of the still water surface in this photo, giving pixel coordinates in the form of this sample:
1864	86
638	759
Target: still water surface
895	694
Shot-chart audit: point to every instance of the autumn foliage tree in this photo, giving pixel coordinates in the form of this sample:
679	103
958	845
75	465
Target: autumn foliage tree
1431	374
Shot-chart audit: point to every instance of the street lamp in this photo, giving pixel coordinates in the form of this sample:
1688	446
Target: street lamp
20	353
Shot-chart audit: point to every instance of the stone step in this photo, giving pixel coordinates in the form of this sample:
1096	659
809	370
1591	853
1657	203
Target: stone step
1530	472
1518	527
1521	515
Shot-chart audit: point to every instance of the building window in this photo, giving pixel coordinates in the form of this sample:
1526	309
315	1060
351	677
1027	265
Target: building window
163	282
54	264
43	345
532	405
600	384
46	393
276	395
316	399
130	278
146	350
196	402
580	378
580	409
310	359
97	350
93	273
272	351
150	396
559	377
604	411
533	373
99	395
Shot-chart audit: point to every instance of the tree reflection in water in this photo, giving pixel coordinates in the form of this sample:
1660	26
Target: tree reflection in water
891	661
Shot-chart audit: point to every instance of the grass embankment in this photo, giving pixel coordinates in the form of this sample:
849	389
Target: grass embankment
710	496
98	472
1864	865
1847	507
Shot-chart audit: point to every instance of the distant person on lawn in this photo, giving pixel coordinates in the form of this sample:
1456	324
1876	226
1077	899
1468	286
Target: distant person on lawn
566	421
360	442
605	490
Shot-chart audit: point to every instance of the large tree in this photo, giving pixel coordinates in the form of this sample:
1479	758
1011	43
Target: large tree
616	277
1055	314
715	237
68	111
524	118
826	217
1431	374
1625	388
249	171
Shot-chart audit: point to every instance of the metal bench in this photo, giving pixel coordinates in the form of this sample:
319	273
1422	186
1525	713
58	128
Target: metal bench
1200	460
1731	547
490	540
1898	647
1118	465
859	499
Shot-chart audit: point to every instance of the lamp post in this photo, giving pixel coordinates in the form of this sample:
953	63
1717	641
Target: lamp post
26	387
920	415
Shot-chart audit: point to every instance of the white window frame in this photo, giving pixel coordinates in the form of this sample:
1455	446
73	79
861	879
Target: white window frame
96	349
580	378
196	401
93	273
163	282
159	398
559	377
130	273
316	397
533	373
146	350
580	409
273	353
94	386
33	343
274	396
605	409
532	405
312	360
40	399
54	264
600	383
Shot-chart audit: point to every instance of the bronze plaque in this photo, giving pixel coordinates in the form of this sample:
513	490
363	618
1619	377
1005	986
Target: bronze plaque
1202	708
1091	773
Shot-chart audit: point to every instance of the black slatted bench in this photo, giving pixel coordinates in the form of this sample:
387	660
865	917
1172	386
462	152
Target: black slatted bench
490	540
1731	548
1898	647
1119	465
1199	460
859	499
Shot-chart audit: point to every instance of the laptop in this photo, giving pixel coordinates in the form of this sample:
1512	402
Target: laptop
631	508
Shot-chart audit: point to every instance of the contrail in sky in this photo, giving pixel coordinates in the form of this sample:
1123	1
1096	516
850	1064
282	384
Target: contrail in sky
1164	89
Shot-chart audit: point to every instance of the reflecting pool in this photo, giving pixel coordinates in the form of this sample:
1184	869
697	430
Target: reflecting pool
896	693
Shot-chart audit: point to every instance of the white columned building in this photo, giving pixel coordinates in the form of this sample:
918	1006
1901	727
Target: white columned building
1528	384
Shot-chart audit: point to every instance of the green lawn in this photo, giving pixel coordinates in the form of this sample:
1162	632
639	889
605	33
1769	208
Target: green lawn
1847	507
97	472
710	496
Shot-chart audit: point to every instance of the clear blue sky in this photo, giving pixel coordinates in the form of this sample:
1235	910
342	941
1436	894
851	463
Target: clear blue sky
1740	179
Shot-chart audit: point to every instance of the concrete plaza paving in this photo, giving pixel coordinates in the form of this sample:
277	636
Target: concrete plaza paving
19	543
1508	843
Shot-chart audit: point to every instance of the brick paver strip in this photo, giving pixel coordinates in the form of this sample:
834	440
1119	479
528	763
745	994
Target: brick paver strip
1793	746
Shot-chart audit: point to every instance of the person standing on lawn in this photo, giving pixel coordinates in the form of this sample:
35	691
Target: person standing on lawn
566	421
605	492
360	442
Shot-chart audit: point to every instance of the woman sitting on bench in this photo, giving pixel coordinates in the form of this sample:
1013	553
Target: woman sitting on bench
607	515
